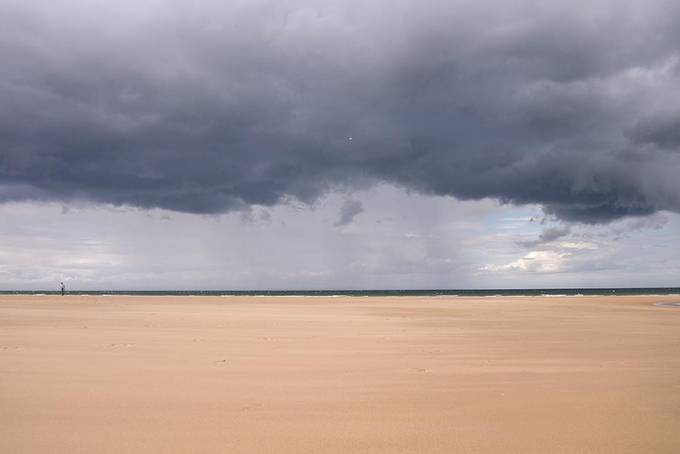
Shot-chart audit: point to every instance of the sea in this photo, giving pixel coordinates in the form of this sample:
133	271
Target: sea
362	293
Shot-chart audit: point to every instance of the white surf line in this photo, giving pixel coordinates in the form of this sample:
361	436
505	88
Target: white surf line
667	304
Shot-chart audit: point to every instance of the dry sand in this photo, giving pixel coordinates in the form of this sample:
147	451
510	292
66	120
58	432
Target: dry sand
339	375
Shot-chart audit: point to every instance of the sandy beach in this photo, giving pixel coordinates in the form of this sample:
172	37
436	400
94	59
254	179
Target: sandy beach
339	375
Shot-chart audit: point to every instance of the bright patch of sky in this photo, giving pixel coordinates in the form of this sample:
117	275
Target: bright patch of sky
379	238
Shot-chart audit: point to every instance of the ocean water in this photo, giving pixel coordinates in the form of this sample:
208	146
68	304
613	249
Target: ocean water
361	293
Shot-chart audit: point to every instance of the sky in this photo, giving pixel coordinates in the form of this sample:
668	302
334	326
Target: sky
257	144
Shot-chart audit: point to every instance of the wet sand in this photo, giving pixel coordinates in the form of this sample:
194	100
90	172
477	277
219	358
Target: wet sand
339	375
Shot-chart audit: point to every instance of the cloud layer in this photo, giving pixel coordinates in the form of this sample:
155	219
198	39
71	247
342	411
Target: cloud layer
212	108
402	240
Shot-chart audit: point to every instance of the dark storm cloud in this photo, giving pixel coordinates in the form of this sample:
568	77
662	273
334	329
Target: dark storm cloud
663	131
225	105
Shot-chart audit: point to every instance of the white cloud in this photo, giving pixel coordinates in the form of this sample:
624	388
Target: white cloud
577	245
533	262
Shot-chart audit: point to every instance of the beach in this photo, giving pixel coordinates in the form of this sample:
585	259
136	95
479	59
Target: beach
130	374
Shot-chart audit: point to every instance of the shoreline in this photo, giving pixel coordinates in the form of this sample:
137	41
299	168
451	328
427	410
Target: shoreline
357	294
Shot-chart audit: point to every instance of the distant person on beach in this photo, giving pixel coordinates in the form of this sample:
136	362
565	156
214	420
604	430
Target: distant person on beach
63	289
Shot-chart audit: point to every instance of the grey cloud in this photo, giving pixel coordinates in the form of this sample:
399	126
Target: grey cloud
655	222
226	105
548	235
349	210
554	233
251	215
624	228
